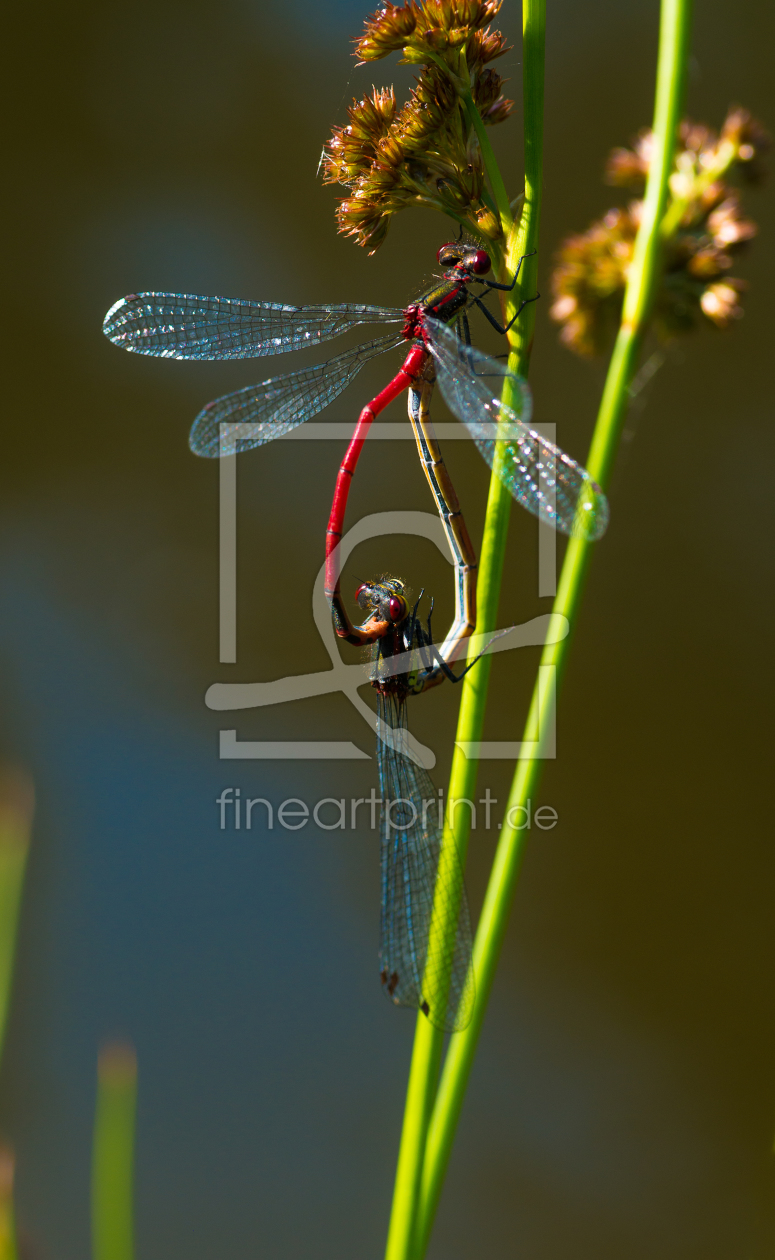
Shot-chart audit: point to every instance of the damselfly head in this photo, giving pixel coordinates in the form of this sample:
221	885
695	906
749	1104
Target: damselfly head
385	601
469	259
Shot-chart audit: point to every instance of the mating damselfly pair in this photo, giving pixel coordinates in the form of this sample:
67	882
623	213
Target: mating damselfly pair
495	405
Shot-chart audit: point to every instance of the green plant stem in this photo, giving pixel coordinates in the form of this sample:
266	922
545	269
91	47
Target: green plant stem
463	86
423	1075
8	1246
491	166
15	825
113	1155
404	1241
639	296
17	800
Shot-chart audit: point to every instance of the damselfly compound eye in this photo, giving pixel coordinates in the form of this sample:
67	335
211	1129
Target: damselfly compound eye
395	608
480	264
364	595
449	254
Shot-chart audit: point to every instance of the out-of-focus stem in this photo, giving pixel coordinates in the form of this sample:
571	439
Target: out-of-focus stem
16	811
8	1250
113	1155
725	156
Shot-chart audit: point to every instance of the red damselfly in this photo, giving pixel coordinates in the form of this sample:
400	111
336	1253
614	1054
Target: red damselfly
458	539
479	390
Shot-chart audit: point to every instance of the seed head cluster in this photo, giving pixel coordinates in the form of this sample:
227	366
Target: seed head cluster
426	152
704	230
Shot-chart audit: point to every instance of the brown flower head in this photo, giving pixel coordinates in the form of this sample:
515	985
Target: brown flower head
423	26
485	46
491	104
589	279
720	302
751	143
387	31
427	152
628	168
727	226
704	230
359	218
352	149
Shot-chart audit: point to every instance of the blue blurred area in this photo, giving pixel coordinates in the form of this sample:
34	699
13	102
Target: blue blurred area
334	22
222	955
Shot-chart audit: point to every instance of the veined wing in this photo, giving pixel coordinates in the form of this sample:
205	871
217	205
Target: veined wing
183	326
417	969
257	414
481	392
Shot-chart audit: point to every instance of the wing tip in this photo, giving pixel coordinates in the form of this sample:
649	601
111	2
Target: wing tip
201	441
112	324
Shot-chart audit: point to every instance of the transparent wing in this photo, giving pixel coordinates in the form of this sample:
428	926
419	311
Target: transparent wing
257	414
182	326
416	968
481	391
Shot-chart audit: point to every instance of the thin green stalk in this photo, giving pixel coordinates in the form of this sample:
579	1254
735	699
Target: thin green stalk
423	1075
404	1241
462	81
17	800
113	1155
639	295
491	166
16	808
8	1247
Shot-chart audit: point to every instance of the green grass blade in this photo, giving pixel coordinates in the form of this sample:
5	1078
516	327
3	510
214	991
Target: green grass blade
17	803
16	811
113	1154
8	1250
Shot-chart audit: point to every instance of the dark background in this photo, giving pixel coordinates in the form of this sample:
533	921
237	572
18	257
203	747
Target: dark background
623	1099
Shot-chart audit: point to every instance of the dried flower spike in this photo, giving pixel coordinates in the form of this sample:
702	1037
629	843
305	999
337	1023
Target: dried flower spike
427	152
704	228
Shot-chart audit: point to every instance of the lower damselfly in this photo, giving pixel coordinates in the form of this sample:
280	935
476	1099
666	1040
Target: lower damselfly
425	928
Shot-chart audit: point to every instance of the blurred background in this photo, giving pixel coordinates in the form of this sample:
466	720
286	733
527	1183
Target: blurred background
623	1099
